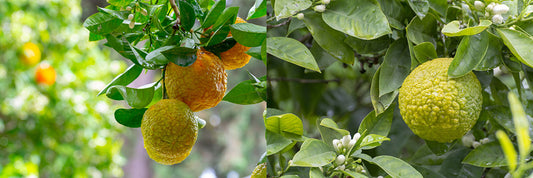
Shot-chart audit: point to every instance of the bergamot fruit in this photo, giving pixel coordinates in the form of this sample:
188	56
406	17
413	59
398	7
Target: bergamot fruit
437	107
30	54
169	131
236	56
201	85
45	74
259	171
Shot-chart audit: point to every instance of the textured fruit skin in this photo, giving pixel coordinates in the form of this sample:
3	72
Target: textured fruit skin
235	57
259	171
438	108
169	131
201	85
45	74
31	54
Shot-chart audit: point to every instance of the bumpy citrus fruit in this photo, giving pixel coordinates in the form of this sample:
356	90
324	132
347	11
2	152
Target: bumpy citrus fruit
235	57
45	74
30	54
437	107
201	85
169	131
259	171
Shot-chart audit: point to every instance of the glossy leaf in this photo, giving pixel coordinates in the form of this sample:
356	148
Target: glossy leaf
287	8
313	153
369	46
187	15
371	141
101	23
125	78
425	51
470	53
182	56
358	18
257	10
380	103
316	173
493	57
243	93
425	30
248	34
396	13
453	28
329	131
486	155
275	142
452	165
286	123
395	67
519	43
439	148
136	98
130	117
213	14
396	167
380	124
292	51
119	3
328	38
421	7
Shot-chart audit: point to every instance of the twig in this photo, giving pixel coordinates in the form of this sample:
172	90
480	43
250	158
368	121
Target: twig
279	25
304	80
175	8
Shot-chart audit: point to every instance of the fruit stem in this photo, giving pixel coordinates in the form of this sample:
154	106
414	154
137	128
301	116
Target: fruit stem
175	8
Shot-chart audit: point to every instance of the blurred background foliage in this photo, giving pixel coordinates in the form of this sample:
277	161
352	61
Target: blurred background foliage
64	130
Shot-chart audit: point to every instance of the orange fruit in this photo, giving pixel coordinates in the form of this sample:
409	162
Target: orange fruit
45	74
30	54
201	85
235	57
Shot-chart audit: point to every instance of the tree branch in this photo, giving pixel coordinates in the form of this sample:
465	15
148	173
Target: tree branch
175	8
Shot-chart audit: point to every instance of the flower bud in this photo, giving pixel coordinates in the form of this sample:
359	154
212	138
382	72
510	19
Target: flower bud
342	167
484	140
500	9
336	144
144	12
346	140
465	7
300	16
468	140
320	8
128	8
497	19
325	1
340	160
479	5
130	17
132	24
490	6
476	144
352	143
356	136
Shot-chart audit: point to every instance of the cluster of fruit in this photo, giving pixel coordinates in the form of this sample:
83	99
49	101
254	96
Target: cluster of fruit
169	127
30	55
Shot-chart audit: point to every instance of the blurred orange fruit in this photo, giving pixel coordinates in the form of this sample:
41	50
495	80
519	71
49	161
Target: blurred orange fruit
45	74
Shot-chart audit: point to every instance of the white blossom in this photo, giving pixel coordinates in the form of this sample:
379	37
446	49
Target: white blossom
300	16
340	160
320	8
476	144
497	19
479	5
346	140
325	1
500	9
130	17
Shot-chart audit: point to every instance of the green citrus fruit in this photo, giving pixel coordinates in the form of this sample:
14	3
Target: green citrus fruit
437	107
169	131
201	85
259	171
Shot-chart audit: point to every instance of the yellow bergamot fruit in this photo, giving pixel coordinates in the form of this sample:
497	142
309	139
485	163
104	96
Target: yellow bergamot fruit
236	56
169	131
30	54
201	85
437	107
259	171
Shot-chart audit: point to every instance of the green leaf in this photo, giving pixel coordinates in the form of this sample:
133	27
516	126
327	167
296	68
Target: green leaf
358	18
286	123
396	13
521	126
380	124
316	173
95	37
313	153
257	10
214	14
395	67
244	93
396	167
425	51
493	57
380	103
136	98
102	23
470	53
452	166
120	3
287	8
182	56
275	142
125	78
375	46
500	115
292	51
425	30
372	141
519	43
329	131
508	149
486	155
353	174
187	15
130	117
329	39
140	56
227	17
421	7
439	148
440	6
453	28
248	34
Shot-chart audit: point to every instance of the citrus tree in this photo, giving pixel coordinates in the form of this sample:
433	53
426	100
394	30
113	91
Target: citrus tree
193	43
51	125
399	88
